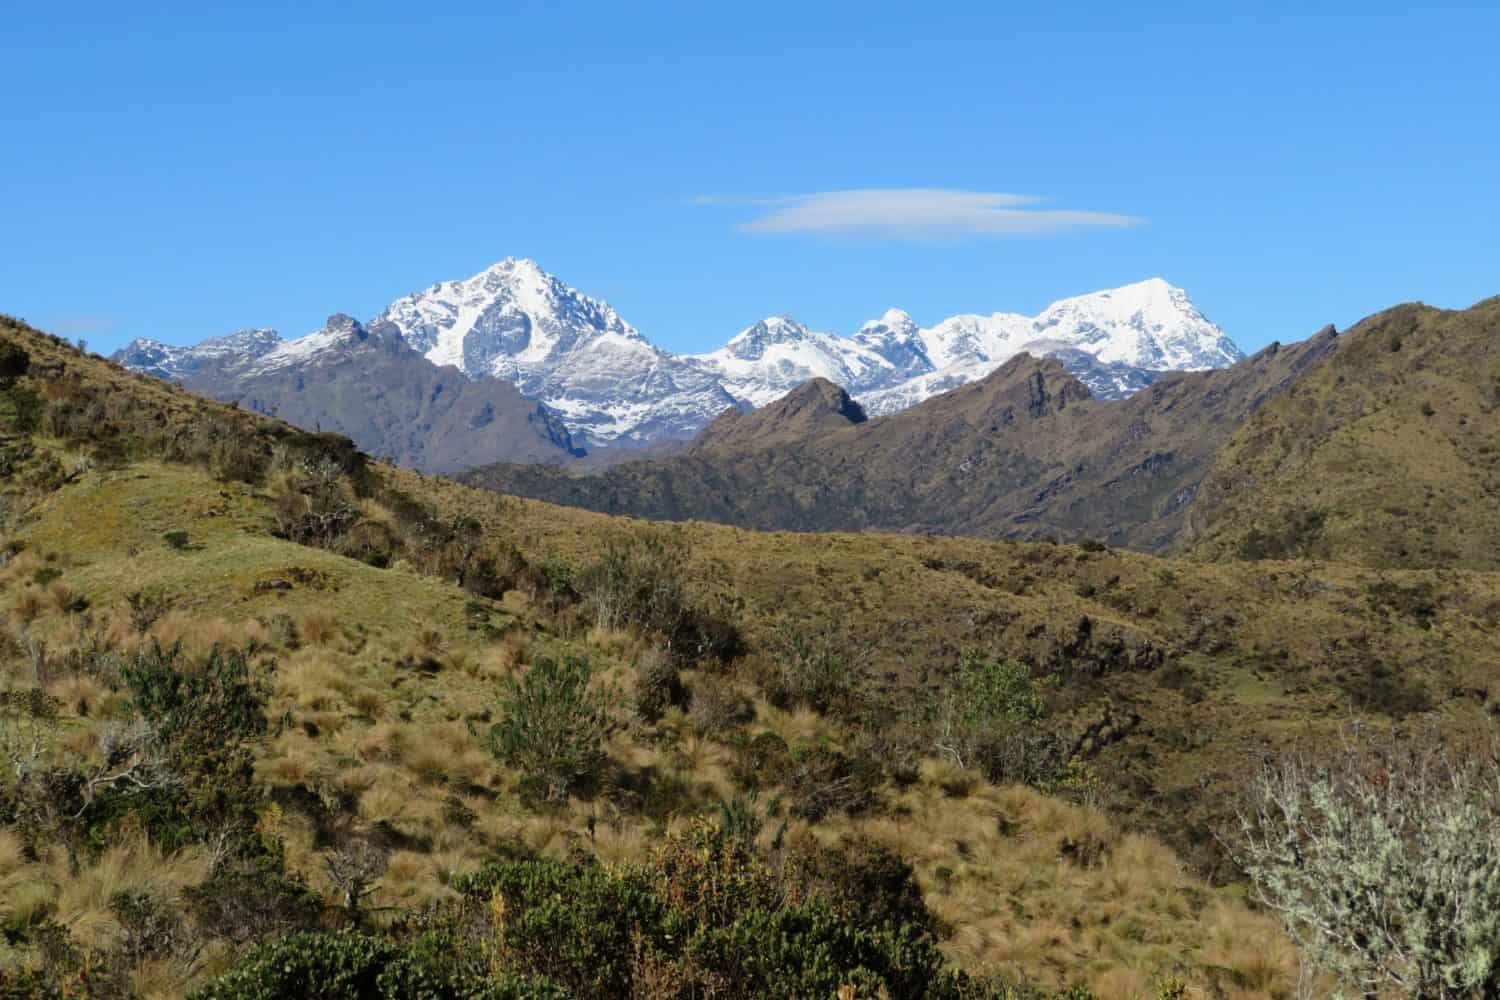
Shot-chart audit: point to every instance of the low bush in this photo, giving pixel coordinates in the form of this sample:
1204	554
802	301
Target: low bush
992	719
1383	863
14	362
637	583
813	669
554	726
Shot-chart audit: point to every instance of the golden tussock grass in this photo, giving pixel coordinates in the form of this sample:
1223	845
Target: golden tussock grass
319	627
133	864
1038	888
622	844
26	606
198	634
801	725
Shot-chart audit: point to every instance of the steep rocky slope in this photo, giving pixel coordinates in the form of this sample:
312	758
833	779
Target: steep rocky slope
370	386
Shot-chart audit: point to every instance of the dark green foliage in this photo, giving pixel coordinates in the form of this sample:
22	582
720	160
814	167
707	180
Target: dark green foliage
177	539
638	583
346	966
808	951
991	719
554	725
1418	602
14	361
813	669
315	966
575	926
152	928
1379	687
862	881
329	448
216	703
250	898
1296	536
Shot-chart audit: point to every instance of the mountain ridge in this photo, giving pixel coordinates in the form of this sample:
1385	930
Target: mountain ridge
613	388
1026	452
370	385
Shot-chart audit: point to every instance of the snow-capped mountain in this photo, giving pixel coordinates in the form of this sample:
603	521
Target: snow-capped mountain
1115	341
173	364
769	359
519	323
613	387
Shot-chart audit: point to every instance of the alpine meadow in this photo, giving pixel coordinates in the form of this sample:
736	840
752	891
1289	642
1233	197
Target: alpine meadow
1036	535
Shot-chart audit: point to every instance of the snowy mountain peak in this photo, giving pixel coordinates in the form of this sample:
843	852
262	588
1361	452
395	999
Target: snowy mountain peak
1149	324
172	363
610	385
753	341
340	331
515	321
508	318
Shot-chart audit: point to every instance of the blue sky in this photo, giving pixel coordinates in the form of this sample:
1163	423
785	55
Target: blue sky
179	173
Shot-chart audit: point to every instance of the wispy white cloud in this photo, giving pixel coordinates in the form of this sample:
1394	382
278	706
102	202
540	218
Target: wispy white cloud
914	213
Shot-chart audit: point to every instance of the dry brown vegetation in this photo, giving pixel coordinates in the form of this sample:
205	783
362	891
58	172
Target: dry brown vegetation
779	684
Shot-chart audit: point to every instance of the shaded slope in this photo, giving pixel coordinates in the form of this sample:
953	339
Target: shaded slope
1023	453
370	386
812	408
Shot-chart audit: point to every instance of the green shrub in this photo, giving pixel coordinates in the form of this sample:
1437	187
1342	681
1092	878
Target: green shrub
177	539
864	882
637	583
813	669
991	718
808	951
317	966
315	508
575	926
658	684
554	725
14	361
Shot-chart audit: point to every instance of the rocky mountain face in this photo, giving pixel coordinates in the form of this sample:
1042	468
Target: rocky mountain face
814	407
514	321
1024	452
371	386
613	388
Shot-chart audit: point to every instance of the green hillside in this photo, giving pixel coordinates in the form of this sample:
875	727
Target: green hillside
1388	454
255	686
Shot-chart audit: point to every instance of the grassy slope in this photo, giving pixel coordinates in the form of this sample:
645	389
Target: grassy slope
1189	672
1389	454
395	741
1251	653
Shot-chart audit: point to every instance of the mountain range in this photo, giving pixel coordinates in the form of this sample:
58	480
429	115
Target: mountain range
1376	445
608	386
